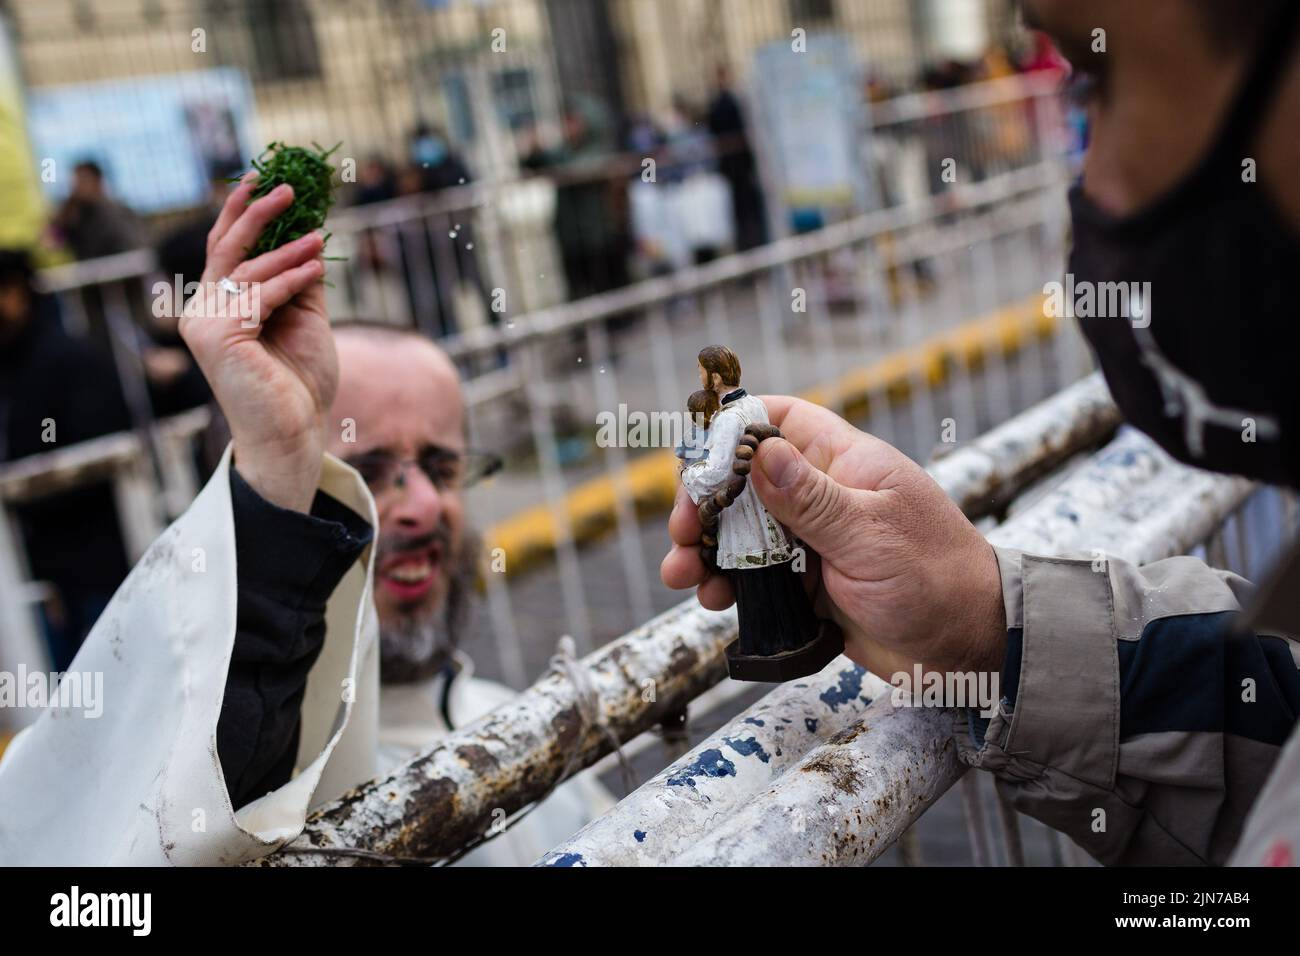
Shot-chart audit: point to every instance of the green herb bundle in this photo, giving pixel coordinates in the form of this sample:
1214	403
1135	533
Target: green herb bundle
311	175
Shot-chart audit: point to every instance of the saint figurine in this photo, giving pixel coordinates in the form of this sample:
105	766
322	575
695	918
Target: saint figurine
780	634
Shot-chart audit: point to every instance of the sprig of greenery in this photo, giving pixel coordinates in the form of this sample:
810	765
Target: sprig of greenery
311	175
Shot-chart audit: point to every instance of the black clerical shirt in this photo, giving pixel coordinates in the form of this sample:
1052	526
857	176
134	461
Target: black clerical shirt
288	564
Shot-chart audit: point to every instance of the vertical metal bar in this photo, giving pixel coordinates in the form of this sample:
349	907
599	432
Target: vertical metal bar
717	317
996	378
548	459
629	537
406	305
766	297
1009	830
1055	352
963	387
496	586
662	356
816	270
876	310
921	403
136	496
1073	359
179	474
976	826
417	239
504	633
20	641
443	230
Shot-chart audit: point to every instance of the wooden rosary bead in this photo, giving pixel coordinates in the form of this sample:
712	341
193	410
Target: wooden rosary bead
761	431
709	540
750	442
744	452
735	486
709	556
740	467
708	514
720	499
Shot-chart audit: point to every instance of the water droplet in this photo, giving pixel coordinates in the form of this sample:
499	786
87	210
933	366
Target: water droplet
602	370
469	245
452	234
462	180
579	359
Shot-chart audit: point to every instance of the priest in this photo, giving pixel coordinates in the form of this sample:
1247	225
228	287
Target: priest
239	658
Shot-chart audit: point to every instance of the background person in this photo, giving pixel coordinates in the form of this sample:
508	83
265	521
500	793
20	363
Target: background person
56	391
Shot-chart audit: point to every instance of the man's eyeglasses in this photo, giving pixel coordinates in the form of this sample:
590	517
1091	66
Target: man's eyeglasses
447	470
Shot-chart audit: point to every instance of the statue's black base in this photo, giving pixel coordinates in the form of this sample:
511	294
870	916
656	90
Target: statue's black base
781	637
801	662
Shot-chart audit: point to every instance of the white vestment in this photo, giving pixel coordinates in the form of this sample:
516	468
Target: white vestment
748	537
411	720
142	783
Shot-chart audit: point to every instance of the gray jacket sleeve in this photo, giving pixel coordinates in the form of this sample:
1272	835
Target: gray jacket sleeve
1135	716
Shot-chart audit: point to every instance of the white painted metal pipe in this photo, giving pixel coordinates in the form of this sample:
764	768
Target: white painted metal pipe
662	818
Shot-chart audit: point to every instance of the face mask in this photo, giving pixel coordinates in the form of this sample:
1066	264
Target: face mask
1190	305
429	150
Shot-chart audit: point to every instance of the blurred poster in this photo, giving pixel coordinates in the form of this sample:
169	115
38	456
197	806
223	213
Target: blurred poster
21	208
813	118
158	138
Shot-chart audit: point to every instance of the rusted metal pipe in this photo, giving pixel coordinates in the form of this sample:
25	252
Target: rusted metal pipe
445	799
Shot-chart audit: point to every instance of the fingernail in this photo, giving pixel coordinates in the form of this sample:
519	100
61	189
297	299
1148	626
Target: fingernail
779	462
284	189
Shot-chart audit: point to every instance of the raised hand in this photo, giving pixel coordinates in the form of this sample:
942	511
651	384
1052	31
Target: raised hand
266	348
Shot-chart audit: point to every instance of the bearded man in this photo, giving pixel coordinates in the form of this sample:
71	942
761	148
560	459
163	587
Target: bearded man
399	420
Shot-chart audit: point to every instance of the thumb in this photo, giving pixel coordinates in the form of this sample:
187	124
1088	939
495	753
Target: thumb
807	501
